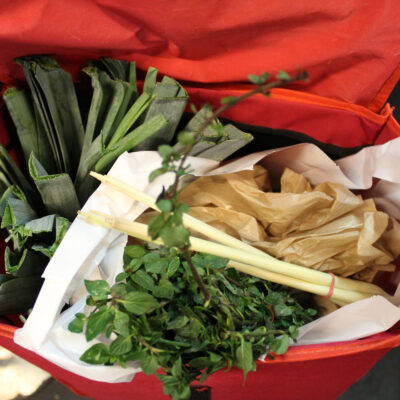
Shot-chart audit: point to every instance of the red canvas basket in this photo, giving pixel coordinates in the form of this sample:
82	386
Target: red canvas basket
351	50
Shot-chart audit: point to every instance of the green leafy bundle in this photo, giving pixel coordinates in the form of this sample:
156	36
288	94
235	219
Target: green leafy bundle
155	314
60	150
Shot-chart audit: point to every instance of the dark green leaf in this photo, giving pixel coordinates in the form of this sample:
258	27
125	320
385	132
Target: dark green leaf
134	251
282	310
280	345
97	354
121	323
282	75
176	369
155	226
229	99
156	173
143	279
175	236
164	290
186	138
98	289
77	324
140	303
121	345
97	322
164	205
165	151
57	191
244	357
173	266
179	322
149	364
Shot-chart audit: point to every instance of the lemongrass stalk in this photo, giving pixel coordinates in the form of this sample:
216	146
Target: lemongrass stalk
341	296
313	276
139	230
189	221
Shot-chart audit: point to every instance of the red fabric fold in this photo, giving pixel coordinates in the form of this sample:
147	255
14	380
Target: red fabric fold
349	48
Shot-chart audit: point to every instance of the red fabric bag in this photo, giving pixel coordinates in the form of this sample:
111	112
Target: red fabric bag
351	50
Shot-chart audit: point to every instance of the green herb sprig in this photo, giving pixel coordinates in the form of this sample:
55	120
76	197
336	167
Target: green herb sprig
155	314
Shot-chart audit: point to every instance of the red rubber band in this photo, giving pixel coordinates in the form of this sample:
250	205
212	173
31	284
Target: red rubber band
332	287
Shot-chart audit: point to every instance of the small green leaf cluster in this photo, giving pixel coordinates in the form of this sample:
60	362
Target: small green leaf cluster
155	315
170	163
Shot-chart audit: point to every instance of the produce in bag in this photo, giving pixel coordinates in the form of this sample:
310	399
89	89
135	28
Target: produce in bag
59	151
148	334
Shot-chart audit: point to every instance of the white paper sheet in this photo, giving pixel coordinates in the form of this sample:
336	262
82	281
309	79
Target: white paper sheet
87	248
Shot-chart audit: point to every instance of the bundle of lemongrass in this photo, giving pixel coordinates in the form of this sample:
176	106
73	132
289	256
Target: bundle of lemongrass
242	256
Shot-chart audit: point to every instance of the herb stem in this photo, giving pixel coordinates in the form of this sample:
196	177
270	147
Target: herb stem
196	276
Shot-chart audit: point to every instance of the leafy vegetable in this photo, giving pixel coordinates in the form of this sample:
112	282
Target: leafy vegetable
177	333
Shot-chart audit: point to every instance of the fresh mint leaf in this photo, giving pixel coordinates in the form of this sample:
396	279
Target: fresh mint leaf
179	322
244	358
149	364
143	279
135	251
121	345
165	151
175	236
77	324
283	76
173	266
228	99
97	322
97	354
186	138
139	303
121	323
164	205
164	290
98	289
280	345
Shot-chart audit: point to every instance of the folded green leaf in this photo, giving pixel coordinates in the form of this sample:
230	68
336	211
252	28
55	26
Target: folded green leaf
131	140
57	191
117	69
19	294
169	99
31	137
150	80
138	107
55	97
17	212
221	151
29	263
62	225
14	176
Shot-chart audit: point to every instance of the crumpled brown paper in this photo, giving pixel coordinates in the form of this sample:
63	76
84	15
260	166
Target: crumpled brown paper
326	227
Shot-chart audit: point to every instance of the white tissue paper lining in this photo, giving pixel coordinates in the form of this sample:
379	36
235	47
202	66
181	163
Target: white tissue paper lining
89	250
